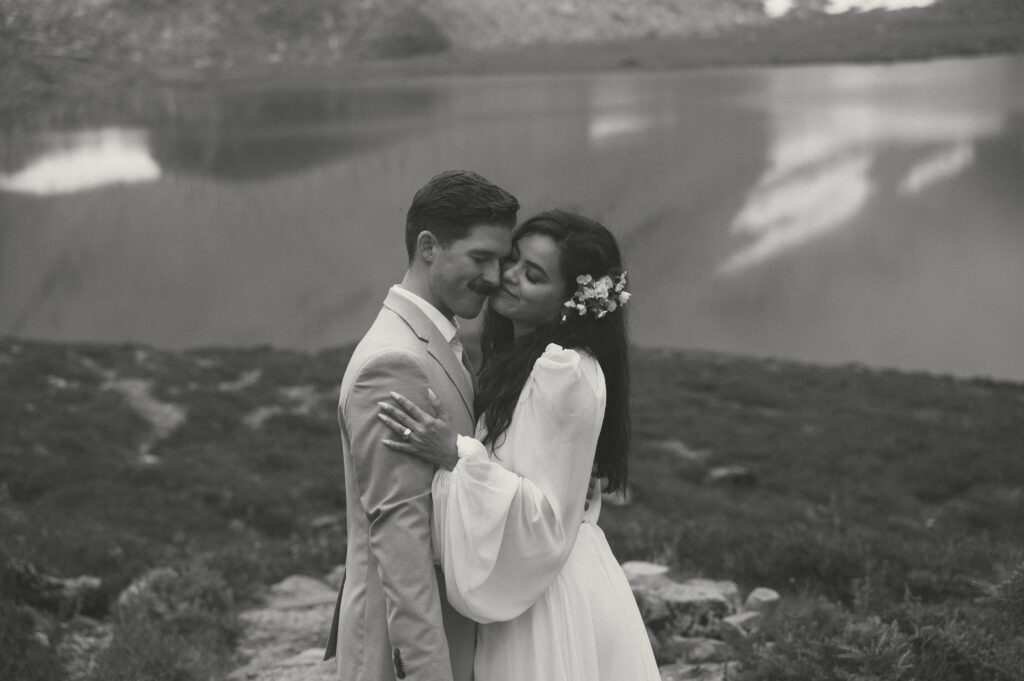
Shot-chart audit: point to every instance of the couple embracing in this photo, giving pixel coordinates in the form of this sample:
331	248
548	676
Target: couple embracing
473	549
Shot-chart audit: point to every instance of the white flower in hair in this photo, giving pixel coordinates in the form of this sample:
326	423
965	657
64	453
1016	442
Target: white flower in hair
599	297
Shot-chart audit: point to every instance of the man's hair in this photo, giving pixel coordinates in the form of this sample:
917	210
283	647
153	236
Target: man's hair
452	203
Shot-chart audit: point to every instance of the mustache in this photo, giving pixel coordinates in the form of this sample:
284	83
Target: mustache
482	288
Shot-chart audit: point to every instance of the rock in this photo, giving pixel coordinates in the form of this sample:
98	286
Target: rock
738	476
691	608
64	596
677	448
734	634
699	672
328	521
698	650
335	577
310	657
764	601
299	591
285	640
638	569
748	622
73	592
681	461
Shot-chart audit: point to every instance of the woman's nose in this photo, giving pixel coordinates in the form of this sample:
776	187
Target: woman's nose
508	274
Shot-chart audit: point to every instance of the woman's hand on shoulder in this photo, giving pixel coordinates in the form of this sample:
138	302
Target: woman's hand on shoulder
428	437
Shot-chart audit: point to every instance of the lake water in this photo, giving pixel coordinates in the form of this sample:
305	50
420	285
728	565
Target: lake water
832	213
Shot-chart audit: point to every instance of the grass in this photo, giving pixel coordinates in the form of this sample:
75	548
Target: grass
883	502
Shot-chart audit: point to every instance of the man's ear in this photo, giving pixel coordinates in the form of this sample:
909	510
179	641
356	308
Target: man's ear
427	245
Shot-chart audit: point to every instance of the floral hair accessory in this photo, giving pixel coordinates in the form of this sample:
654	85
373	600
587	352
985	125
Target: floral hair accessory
597	296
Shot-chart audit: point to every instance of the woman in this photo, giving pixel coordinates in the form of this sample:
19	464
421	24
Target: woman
520	547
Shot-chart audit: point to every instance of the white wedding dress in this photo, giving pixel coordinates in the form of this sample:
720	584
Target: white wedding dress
520	553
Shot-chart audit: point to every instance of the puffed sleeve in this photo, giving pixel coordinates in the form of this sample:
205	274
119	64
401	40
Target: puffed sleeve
504	525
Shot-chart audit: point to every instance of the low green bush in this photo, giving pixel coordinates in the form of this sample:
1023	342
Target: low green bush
173	624
24	656
966	640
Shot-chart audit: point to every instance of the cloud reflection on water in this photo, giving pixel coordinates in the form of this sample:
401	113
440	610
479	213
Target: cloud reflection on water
85	160
614	115
779	8
819	174
840	6
945	164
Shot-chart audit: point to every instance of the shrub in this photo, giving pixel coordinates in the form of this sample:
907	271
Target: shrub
173	624
25	657
191	602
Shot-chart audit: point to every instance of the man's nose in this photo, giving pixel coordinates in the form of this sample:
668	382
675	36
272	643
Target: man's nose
492	273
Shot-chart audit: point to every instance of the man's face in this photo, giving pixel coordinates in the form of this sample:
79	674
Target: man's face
463	274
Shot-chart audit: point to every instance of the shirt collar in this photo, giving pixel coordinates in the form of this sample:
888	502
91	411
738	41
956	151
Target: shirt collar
447	327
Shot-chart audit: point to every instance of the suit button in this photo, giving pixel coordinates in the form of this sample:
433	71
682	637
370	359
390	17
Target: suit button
396	655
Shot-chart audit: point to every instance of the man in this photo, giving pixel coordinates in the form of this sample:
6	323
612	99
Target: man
392	620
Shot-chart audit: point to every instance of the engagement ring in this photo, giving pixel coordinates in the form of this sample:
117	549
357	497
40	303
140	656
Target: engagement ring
406	433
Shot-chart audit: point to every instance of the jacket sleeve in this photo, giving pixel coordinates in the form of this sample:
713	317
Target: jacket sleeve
509	523
394	489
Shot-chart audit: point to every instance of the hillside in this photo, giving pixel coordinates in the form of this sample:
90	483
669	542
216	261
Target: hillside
880	494
55	50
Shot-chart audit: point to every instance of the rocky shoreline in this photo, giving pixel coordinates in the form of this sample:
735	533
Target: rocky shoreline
58	51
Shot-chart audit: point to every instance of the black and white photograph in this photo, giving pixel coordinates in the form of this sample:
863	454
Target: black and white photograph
511	340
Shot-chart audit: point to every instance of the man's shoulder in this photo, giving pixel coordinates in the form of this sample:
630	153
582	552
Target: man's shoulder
389	339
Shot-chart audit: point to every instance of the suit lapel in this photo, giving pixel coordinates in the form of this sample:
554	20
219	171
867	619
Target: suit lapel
437	346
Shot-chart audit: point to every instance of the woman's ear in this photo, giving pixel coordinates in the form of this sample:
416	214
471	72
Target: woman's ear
426	245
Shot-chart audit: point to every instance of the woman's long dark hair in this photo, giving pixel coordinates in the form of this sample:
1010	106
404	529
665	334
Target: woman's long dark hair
586	247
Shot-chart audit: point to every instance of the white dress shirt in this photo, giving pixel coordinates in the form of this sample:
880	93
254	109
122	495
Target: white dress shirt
449	328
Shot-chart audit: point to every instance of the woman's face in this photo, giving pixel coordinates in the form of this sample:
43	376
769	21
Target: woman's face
532	291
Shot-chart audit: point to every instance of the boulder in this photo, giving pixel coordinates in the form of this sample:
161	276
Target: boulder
764	601
299	591
682	671
691	608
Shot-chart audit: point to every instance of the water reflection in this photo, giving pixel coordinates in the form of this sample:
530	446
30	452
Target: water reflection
823	159
614	116
840	6
84	160
834	213
242	134
942	165
779	8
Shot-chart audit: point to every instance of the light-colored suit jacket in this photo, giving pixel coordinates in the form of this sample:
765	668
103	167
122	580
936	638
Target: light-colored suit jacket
392	620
